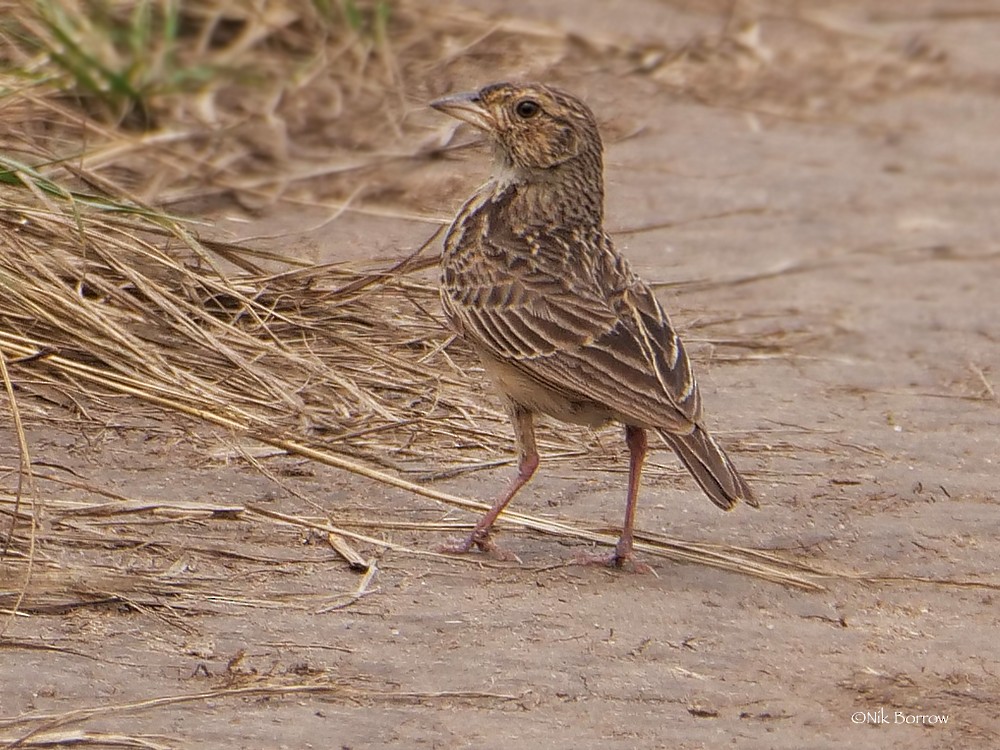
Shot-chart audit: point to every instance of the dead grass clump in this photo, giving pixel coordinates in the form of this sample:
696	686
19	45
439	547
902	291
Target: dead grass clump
175	102
102	297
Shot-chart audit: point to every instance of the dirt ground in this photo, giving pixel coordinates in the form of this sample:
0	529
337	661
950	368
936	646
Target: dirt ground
849	224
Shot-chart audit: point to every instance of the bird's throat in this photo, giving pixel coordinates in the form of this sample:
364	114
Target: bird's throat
549	202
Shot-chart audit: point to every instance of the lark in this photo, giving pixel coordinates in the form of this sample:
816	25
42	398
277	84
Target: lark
564	327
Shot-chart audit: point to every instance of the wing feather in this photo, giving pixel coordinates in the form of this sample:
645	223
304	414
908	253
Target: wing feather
590	332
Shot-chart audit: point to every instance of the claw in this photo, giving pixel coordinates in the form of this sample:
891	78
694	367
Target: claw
484	544
614	560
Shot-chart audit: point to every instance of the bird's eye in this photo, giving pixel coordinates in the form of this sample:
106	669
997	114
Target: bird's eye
527	108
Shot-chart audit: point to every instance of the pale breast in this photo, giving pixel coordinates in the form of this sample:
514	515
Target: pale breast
535	397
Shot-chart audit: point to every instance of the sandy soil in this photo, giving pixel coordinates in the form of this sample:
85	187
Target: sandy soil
851	219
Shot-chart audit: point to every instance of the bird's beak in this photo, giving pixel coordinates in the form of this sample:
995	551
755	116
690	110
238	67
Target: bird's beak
467	107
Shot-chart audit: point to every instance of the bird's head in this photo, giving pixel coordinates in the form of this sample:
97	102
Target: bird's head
537	129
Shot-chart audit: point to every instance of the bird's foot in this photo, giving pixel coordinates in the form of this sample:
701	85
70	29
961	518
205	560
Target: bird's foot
483	543
614	560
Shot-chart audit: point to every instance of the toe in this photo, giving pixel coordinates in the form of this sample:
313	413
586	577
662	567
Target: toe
613	560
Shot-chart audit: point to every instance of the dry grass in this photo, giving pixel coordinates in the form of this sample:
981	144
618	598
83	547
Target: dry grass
43	729
219	99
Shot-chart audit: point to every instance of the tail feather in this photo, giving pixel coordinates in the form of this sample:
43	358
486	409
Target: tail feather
711	468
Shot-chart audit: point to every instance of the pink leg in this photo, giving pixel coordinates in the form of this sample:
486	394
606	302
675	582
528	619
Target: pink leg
524	433
635	438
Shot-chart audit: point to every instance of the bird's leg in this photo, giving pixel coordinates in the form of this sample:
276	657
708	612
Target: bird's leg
524	433
635	438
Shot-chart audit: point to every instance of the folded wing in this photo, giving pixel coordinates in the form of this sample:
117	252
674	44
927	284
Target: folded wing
586	330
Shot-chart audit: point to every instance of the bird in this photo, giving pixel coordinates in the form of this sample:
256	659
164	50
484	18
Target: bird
562	324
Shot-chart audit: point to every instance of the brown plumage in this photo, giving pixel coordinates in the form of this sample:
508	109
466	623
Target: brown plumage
563	325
